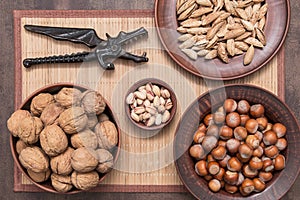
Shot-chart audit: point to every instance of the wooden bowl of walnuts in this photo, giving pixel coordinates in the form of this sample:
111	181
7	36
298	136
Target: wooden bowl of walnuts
65	138
236	142
150	104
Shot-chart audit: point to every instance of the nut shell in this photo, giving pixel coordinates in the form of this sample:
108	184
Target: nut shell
107	135
30	129
40	102
34	159
13	123
61	183
85	181
73	120
51	113
39	177
68	97
93	102
84	159
106	161
61	164
53	140
85	138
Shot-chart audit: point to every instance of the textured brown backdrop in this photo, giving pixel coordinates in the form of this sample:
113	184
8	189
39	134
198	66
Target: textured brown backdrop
292	90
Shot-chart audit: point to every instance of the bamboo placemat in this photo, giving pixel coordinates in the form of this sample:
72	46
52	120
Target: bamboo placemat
145	163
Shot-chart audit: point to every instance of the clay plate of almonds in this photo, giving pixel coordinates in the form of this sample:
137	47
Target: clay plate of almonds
64	138
222	39
237	142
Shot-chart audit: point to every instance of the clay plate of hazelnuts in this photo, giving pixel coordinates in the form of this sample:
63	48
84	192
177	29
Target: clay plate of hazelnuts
237	142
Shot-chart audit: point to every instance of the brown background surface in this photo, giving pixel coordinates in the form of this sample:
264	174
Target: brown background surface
292	90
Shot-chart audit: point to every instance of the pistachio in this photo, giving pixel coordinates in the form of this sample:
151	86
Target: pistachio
166	116
130	98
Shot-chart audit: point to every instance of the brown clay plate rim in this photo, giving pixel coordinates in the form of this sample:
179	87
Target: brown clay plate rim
196	185
54	88
158	82
277	26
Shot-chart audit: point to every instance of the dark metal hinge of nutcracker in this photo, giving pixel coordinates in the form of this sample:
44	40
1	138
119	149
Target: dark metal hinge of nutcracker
104	50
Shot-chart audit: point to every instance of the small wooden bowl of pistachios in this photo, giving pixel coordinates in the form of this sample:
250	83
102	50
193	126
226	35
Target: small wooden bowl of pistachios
150	104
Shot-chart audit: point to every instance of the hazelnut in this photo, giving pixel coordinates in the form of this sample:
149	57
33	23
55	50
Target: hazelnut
240	133
198	136
223	163
213	130
210	158
208	177
226	132
259	185
213	167
197	152
219	117
240	179
268	165
279	162
257	110
85	181
247	186
230	188
233	119
200	168
244	119
208	119
222	143
255	163
258	152
230	105
209	142
220	174
252	141
214	185
248	172
245	150
262	123
265	176
231	177
269	127
251	126
259	135
234	164
279	129
233	145
243	107
243	160
271	151
281	144
270	138
219	152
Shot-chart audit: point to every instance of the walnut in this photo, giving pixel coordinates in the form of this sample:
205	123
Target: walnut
61	164
92	121
15	119
53	140
61	183
34	159
51	113
93	102
68	97
106	161
84	159
103	117
20	145
39	103
30	129
39	177
85	181
85	138
107	135
73	120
